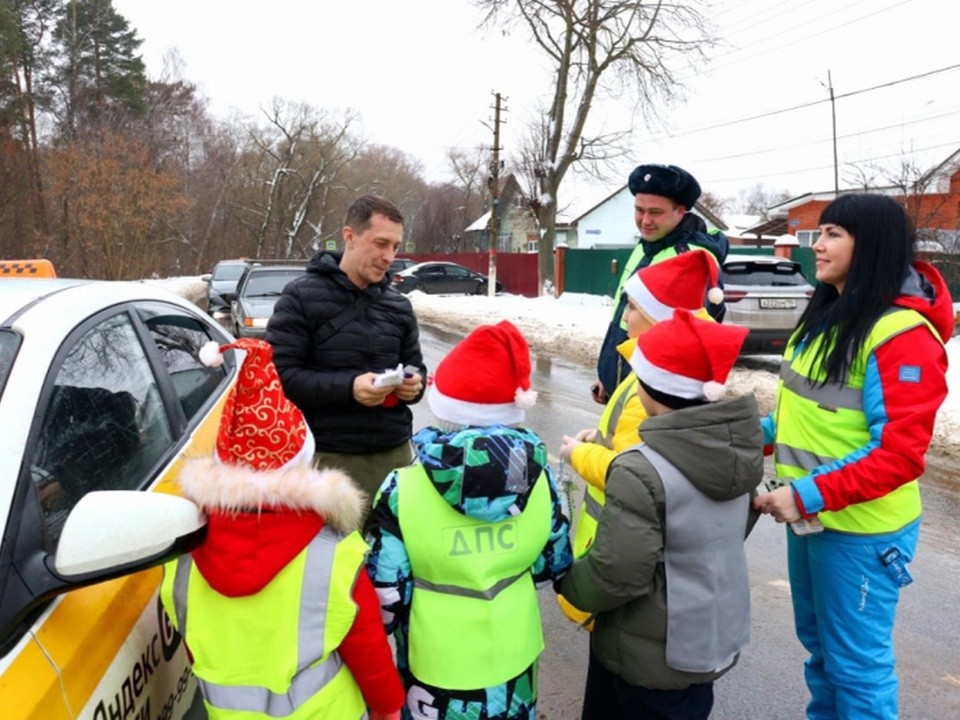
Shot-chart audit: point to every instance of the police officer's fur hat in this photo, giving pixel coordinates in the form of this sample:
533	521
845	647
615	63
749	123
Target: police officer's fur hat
666	180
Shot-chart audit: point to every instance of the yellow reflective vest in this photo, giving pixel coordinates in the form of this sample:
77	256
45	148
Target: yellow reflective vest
274	654
613	435
474	615
818	425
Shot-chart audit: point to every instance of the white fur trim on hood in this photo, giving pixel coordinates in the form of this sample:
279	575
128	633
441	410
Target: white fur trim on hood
235	488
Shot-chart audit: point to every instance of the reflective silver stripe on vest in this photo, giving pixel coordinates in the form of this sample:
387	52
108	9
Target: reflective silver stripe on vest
251	698
590	506
488	594
180	581
615	413
308	681
833	396
789	455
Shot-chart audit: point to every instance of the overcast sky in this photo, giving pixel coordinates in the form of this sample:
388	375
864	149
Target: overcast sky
422	77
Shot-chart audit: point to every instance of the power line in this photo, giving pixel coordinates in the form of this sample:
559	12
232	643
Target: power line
801	106
819	141
817	34
847	163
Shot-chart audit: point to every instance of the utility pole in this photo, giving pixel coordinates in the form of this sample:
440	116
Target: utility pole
493	181
833	113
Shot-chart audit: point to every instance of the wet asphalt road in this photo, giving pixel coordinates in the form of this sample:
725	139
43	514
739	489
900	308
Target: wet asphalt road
767	684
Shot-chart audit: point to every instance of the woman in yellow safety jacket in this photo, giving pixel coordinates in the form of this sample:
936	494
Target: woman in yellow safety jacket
860	383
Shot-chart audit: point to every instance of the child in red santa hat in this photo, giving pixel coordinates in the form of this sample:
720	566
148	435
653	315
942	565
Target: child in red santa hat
461	538
653	293
666	576
276	611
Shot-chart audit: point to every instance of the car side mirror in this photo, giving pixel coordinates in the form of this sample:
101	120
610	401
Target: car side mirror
206	277
123	531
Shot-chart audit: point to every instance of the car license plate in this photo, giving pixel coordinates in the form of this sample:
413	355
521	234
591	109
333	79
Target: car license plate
777	303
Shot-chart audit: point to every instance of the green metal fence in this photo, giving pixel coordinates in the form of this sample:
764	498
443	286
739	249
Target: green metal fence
595	272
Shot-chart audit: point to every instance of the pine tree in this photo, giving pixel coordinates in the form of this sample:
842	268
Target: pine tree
100	78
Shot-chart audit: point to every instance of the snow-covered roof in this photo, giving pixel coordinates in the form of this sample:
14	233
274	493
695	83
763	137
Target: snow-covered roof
480	223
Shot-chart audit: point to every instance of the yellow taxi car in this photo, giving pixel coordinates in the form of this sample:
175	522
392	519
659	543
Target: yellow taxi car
101	389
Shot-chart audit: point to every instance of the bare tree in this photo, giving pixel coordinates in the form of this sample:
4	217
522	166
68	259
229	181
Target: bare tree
925	194
758	199
719	206
113	207
470	170
291	166
598	48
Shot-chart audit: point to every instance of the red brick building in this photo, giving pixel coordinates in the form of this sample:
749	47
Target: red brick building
932	201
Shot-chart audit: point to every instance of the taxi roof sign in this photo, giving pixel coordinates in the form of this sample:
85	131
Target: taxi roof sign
39	267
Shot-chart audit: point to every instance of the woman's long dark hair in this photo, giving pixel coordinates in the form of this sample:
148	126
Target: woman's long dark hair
882	256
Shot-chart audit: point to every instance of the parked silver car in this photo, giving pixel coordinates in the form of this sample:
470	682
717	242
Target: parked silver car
222	284
257	293
766	294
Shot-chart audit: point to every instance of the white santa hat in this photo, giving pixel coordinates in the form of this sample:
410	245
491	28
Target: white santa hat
687	358
678	282
485	379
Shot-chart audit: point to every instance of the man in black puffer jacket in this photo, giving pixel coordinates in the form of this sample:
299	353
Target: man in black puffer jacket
334	330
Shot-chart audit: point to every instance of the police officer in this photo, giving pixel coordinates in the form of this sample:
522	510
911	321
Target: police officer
664	195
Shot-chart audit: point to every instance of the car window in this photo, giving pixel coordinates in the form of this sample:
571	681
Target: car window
9	342
102	427
228	272
267	283
179	338
747	273
430	270
460	272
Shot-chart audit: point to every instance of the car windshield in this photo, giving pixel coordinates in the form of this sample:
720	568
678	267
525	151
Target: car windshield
267	283
228	272
9	341
750	273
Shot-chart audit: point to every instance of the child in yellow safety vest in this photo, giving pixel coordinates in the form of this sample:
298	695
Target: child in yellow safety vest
461	539
276	610
653	293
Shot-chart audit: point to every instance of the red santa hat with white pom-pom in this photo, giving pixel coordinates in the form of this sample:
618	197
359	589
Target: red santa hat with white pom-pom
685	360
679	282
264	455
259	427
485	379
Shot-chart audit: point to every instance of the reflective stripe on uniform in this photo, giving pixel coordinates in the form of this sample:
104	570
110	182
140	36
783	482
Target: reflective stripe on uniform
832	396
488	594
309	679
822	425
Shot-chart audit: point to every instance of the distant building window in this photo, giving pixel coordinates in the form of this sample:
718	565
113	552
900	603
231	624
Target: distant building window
533	246
807	238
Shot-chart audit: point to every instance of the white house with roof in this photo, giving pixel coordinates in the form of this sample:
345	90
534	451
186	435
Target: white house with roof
610	223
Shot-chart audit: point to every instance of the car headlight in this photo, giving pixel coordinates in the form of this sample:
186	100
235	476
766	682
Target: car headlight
255	322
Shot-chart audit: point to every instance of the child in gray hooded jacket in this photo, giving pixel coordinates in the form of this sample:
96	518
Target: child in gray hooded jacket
667	575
